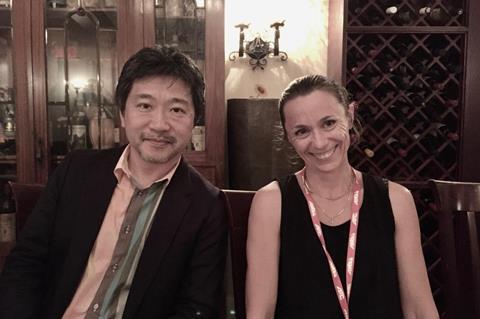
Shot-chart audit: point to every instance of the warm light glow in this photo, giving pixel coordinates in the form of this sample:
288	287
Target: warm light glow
200	3
304	38
78	83
305	24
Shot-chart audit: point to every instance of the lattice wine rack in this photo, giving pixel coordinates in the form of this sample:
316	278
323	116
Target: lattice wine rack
405	69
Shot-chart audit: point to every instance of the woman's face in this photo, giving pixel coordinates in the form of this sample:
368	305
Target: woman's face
317	126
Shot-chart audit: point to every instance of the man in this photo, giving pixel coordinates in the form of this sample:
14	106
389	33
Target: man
127	233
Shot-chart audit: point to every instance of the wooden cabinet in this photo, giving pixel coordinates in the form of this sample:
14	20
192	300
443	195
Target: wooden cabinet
38	106
412	67
48	96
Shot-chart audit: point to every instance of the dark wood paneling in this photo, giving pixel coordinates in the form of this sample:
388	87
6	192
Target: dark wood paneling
335	41
470	145
149	22
215	87
39	107
22	60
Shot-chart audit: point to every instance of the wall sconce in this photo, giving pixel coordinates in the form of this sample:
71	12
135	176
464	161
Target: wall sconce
258	49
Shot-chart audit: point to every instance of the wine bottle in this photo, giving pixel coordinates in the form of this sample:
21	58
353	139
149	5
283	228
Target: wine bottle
399	112
436	79
385	92
370	49
386	62
355	61
419	87
452	62
431	143
432	112
416	99
401	82
391	10
424	11
404	49
437	16
57	3
369	77
454	67
403	17
448	158
417	124
101	131
454	10
355	7
78	127
397	146
420	66
373	17
446	131
366	148
7	215
9	123
451	96
365	111
437	50
402	70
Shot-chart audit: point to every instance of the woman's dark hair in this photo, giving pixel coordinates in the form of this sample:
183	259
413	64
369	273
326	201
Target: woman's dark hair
164	61
307	84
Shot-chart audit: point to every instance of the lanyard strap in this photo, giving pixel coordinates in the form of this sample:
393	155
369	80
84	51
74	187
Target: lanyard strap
352	243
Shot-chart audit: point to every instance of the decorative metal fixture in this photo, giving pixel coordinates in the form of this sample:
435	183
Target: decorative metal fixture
80	17
258	49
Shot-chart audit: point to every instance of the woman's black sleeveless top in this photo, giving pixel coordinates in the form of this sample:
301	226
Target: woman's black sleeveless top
305	288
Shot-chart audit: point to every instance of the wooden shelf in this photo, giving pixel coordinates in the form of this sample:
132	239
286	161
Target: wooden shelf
8	159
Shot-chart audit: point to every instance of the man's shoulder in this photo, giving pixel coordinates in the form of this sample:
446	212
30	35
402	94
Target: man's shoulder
88	164
92	158
199	183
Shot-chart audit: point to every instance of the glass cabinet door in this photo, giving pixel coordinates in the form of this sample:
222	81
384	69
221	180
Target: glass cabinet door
7	124
181	24
81	60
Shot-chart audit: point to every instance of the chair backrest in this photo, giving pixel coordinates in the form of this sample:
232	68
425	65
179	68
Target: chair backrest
25	197
238	203
458	206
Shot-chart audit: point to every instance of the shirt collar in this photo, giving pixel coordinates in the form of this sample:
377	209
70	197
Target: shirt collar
122	170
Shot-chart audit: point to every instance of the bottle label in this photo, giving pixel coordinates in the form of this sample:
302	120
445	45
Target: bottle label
198	138
116	135
78	137
7	227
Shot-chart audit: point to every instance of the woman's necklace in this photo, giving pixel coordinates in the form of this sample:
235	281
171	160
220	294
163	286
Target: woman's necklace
337	214
347	191
342	210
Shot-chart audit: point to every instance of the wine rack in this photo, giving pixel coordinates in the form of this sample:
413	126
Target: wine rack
406	13
404	67
409	102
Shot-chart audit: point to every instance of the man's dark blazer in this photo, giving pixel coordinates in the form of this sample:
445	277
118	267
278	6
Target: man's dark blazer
181	268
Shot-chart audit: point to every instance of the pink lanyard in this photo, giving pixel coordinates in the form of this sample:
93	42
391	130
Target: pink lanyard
352	243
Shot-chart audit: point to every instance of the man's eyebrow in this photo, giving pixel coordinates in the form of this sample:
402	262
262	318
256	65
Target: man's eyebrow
179	100
143	96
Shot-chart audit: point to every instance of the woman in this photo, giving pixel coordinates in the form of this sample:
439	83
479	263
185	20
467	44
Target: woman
304	257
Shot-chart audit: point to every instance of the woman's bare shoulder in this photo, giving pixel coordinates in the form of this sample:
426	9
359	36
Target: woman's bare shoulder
267	201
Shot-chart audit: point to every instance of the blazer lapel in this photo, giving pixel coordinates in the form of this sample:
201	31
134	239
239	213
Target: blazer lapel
169	216
96	192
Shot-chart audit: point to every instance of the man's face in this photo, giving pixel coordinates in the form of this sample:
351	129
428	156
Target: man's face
158	120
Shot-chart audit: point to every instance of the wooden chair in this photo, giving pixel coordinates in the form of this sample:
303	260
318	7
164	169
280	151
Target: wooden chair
459	220
25	197
238	203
